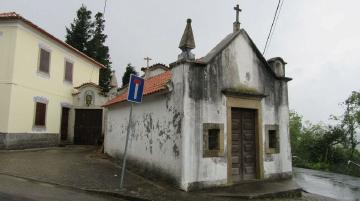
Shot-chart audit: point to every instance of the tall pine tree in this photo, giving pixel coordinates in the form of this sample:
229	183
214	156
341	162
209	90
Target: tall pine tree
126	77
88	37
100	52
80	31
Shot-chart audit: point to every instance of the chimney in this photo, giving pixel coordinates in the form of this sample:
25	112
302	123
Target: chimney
187	43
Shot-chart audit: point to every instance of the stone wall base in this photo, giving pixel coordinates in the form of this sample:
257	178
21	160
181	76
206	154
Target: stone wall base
279	176
149	171
28	140
200	185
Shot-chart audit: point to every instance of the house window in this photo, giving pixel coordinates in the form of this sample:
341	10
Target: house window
272	139
69	71
213	140
44	62
40	114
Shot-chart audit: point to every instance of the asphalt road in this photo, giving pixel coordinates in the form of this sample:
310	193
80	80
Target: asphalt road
337	186
17	189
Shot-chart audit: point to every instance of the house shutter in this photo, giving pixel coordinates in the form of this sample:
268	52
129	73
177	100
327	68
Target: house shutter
68	71
44	61
40	115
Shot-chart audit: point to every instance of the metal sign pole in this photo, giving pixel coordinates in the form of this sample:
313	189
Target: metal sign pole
126	145
135	94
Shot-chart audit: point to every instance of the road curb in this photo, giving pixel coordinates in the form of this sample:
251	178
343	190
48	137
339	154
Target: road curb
117	194
126	196
293	193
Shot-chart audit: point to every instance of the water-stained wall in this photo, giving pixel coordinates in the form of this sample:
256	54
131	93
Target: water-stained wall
156	132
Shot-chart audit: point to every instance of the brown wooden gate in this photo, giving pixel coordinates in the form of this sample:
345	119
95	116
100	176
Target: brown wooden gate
64	123
88	126
243	150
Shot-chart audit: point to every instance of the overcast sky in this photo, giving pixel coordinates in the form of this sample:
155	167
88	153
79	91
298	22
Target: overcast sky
318	39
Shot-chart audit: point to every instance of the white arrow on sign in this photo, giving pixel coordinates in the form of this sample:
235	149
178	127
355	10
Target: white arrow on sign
137	83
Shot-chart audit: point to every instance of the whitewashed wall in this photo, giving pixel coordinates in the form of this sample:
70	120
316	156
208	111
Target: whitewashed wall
252	73
196	99
237	66
156	132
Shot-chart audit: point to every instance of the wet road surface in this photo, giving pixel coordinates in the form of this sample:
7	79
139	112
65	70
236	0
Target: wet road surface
17	189
338	186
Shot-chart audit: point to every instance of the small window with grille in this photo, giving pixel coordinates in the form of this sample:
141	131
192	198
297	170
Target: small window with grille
272	139
213	139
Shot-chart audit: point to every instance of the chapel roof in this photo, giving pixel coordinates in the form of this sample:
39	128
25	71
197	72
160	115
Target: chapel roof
218	48
15	16
227	41
152	85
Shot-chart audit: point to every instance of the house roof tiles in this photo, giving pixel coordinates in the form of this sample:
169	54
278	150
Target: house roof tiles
152	85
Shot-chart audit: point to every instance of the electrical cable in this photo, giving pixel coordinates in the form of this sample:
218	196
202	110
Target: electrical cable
276	20
272	25
104	8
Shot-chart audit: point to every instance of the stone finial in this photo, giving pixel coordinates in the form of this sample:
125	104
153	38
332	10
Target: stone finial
187	42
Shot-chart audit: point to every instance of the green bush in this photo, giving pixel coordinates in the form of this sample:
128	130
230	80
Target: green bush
323	147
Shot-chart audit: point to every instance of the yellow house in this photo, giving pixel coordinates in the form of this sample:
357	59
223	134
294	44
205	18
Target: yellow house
38	74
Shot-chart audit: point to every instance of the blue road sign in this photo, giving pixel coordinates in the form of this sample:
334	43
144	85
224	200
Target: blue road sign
136	89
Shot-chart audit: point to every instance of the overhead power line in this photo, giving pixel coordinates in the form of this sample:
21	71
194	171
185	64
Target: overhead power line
276	22
273	24
104	8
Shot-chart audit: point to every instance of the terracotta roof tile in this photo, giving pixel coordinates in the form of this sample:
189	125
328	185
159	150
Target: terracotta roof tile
15	16
152	85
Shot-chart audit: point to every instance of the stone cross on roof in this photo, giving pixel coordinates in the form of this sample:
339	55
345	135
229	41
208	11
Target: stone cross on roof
236	25
238	10
147	61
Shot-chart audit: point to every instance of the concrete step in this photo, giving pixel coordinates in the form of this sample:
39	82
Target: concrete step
259	189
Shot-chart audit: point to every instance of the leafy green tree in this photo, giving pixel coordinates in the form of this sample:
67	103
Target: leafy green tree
126	77
351	120
295	125
97	49
328	147
80	31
